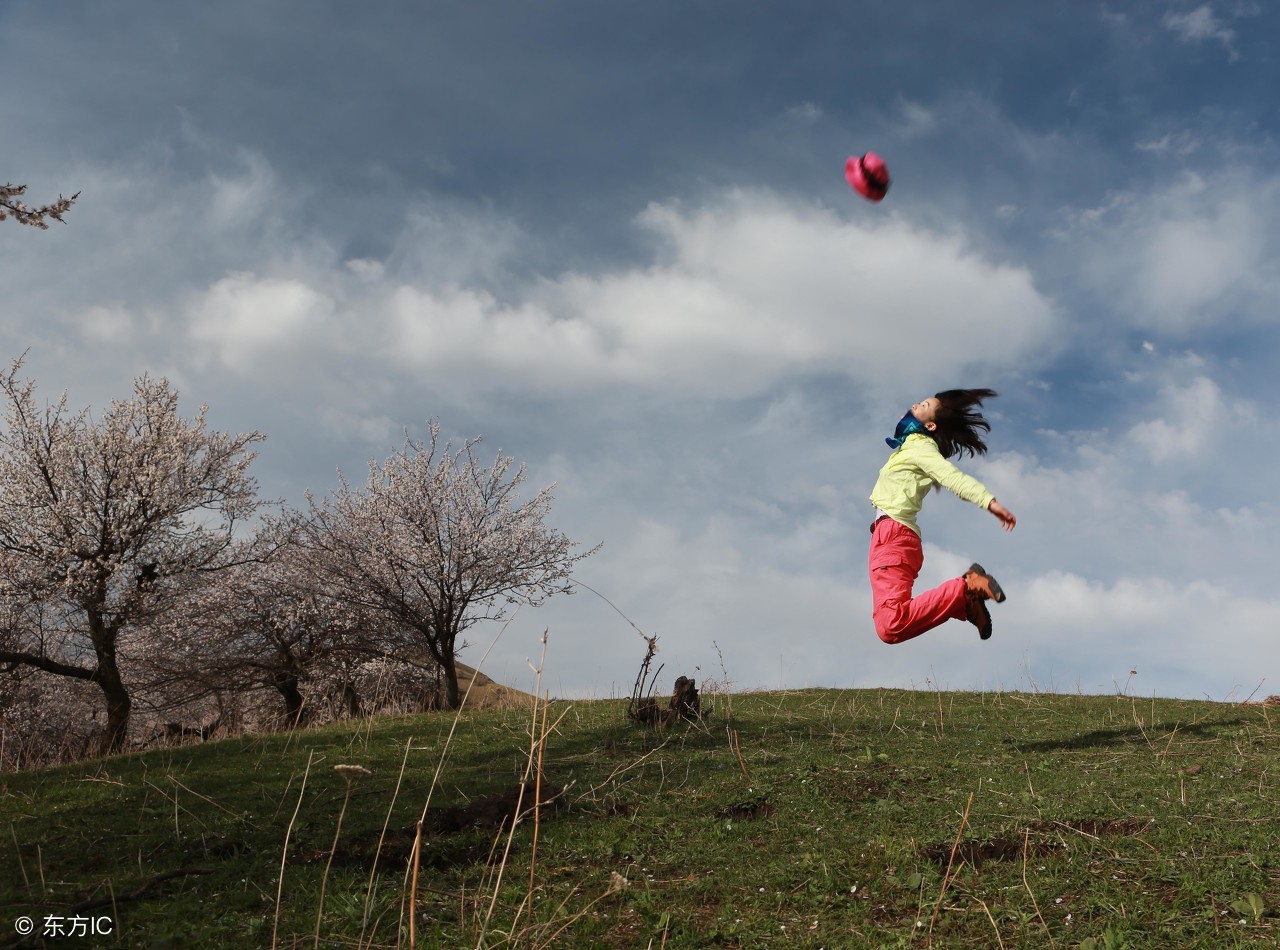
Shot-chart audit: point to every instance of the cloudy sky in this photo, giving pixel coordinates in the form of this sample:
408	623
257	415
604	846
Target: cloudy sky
614	239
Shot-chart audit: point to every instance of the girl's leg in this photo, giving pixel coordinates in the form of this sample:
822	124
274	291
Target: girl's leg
894	564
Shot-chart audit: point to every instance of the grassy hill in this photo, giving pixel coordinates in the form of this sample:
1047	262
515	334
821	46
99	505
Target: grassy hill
798	819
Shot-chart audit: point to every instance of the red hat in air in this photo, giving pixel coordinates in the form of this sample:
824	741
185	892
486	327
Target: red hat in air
868	176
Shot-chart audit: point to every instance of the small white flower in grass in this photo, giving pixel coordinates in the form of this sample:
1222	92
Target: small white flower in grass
350	772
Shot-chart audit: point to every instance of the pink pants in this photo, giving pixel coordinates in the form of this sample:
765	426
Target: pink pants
894	564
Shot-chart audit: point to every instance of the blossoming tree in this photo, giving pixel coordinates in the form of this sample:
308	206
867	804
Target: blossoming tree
271	623
435	541
107	524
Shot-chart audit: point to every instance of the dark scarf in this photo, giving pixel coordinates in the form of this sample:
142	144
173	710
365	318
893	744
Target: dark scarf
906	425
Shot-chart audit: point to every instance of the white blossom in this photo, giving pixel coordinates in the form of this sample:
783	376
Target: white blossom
435	542
106	525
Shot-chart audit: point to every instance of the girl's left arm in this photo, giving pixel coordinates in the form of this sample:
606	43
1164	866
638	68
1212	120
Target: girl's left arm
946	474
1006	516
926	456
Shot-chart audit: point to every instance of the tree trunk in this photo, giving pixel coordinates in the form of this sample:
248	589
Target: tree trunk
104	637
452	695
352	699
118	706
286	682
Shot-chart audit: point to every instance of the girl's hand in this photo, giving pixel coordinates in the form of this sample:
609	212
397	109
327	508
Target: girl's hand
1004	514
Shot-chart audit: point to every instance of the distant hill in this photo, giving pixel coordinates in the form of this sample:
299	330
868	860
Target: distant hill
486	693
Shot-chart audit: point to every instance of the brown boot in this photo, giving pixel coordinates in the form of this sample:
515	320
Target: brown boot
975	611
976	579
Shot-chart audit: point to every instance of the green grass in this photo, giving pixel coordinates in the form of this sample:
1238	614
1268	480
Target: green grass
798	819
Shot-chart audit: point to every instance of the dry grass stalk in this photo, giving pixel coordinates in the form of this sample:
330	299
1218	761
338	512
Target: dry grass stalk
382	837
537	797
737	750
284	855
534	743
1026	841
415	864
946	877
349	774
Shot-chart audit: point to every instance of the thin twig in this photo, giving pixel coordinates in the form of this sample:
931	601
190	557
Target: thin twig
615	885
589	793
136	894
578	583
205	798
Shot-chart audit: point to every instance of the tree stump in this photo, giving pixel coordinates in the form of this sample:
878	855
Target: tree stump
684	704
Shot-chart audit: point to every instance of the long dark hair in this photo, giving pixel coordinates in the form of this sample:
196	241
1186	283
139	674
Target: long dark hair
960	425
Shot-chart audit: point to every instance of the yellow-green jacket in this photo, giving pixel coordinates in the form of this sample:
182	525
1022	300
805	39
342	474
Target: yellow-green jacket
909	474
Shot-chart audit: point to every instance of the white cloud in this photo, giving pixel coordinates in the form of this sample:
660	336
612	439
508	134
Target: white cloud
1201	248
1196	414
747	290
1200	24
374	430
915	119
1151	499
805	112
107	324
244	318
1074	628
1180	144
237	200
366	270
442	245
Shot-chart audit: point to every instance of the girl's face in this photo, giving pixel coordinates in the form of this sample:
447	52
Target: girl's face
926	411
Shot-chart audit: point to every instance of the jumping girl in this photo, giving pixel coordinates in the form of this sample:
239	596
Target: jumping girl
935	429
